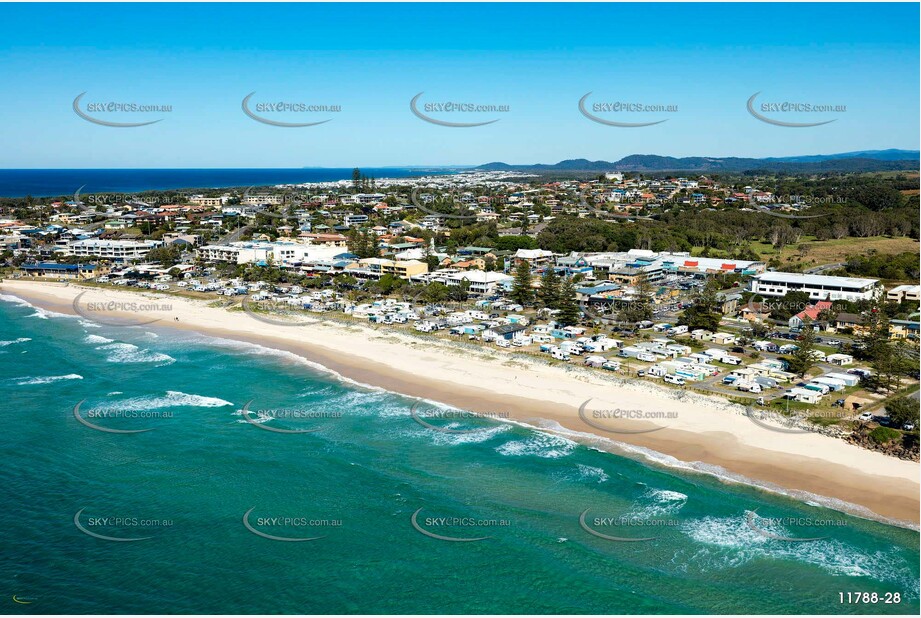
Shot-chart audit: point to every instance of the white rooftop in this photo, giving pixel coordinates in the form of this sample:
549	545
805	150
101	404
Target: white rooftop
781	277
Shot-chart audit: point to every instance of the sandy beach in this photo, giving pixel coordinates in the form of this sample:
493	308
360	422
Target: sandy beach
702	433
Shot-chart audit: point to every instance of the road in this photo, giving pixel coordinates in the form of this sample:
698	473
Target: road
233	236
818	270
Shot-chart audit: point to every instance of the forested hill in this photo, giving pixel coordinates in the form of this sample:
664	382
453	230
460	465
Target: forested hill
862	161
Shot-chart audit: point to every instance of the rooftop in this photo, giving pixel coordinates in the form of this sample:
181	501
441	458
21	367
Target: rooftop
781	277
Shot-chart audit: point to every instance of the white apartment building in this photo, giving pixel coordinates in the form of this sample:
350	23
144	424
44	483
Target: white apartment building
481	282
201	200
116	250
278	253
819	287
256	200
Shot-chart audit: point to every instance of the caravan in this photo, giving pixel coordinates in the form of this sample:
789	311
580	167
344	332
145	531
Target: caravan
559	354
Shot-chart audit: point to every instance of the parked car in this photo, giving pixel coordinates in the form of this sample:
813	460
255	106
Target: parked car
865	416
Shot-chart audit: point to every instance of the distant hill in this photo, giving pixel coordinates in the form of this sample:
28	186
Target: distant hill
860	161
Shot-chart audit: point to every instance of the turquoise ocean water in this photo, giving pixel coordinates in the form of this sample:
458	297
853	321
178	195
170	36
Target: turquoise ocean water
355	482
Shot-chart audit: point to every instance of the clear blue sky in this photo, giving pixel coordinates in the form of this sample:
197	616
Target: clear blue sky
371	59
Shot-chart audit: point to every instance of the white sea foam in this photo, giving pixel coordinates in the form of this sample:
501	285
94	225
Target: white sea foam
733	542
9	298
97	339
443	438
170	400
130	353
45	314
592	473
658	503
32	380
540	445
3	344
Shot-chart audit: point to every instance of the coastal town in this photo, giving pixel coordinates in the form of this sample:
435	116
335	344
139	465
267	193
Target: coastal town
486	258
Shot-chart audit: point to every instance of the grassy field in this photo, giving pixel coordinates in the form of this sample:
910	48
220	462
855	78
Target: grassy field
818	252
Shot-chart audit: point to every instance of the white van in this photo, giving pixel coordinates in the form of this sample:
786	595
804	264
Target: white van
646	357
677	380
559	354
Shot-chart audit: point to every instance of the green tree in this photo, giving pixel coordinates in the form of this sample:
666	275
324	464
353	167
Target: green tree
568	305
640	308
549	292
903	410
435	292
704	310
522	293
789	305
802	359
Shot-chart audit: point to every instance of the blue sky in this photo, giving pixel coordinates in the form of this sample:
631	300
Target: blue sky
371	59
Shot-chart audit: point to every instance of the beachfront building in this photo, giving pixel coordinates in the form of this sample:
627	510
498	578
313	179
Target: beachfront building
375	268
114	250
479	282
265	253
819	287
58	271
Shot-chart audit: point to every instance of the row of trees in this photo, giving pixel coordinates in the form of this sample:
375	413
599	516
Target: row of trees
555	293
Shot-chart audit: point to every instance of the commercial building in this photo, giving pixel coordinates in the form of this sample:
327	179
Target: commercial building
819	287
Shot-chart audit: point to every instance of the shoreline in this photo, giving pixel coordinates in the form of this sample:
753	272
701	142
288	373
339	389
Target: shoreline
707	435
